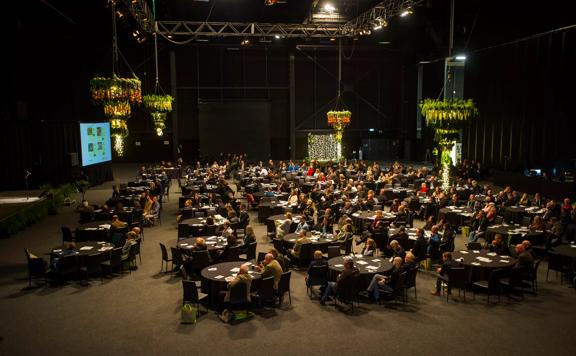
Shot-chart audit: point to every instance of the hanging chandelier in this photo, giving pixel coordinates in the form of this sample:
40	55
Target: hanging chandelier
339	120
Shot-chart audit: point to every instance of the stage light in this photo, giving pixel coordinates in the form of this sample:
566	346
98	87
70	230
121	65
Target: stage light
328	7
332	39
406	12
371	129
120	14
245	42
460	57
277	37
377	27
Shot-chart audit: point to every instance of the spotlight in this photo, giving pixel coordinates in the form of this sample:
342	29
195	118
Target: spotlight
328	7
277	37
332	39
460	57
245	42
406	12
120	14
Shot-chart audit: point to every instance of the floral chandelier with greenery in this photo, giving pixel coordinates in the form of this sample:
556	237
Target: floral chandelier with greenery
339	120
158	106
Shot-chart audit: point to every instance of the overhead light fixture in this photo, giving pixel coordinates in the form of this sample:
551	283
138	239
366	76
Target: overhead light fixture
120	14
332	39
245	42
135	33
277	37
371	129
328	7
406	12
377	27
460	57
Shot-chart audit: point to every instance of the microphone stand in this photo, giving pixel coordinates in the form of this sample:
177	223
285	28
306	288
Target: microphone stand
26	180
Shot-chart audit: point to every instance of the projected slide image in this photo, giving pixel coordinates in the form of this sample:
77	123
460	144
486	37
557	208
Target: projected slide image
95	141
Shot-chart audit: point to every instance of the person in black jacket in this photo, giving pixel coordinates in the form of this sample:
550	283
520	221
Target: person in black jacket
420	246
448	263
349	272
318	261
385	283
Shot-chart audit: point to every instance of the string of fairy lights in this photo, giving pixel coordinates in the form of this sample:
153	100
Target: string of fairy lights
323	147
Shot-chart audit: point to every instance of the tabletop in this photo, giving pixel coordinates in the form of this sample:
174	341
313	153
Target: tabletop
365	264
86	248
221	271
483	258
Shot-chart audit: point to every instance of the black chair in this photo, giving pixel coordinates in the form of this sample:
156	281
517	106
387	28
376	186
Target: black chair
250	254
474	246
284	287
66	234
491	286
457	278
347	292
261	256
238	298
115	260
279	245
183	231
37	267
347	246
130	260
410	281
306	254
137	249
525	221
398	291
67	267
92	266
498	220
317	276
265	292
177	261
232	253
333	251
165	258
191	295
557	263
200	260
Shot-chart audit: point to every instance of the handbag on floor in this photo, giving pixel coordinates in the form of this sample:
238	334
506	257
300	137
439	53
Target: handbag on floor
189	314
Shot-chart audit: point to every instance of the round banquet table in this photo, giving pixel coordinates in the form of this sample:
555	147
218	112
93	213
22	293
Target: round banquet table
567	251
93	231
319	242
516	213
214	278
367	265
266	209
271	221
195	225
84	249
361	218
214	244
479	263
455	216
411	231
515	233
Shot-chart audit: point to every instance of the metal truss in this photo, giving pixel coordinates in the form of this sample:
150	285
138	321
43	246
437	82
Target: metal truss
252	29
381	12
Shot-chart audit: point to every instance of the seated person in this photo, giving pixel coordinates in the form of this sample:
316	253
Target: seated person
349	272
226	230
385	283
270	267
249	237
151	214
302	225
199	245
396	250
369	247
131	237
86	212
537	224
528	248
68	250
409	262
401	236
117	223
302	239
283	226
434	243
282	260
498	245
317	261
429	222
345	234
420	248
447	263
242	277
524	265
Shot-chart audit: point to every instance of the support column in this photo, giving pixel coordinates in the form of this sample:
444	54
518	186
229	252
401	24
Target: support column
292	109
174	93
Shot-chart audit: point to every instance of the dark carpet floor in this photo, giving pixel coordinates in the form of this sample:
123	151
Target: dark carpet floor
139	313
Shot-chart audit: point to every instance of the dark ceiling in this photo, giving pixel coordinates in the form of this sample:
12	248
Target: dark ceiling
479	23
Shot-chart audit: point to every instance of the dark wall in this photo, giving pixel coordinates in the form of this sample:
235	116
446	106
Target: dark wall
525	94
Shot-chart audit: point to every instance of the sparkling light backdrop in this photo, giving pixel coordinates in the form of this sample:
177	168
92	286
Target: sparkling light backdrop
323	147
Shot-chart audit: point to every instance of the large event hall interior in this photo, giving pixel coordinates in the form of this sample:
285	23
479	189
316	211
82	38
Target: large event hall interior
288	177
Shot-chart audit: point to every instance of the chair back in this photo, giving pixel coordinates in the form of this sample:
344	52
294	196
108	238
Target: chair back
116	257
176	256
238	294
498	220
210	230
474	246
333	251
457	277
183	231
92	263
400	287
164	252
318	275
190	292
494	279
307	252
232	253
555	261
251	251
348	246
200	260
525	221
410	281
284	283
349	288
266	290
68	265
35	264
66	234
261	256
279	245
